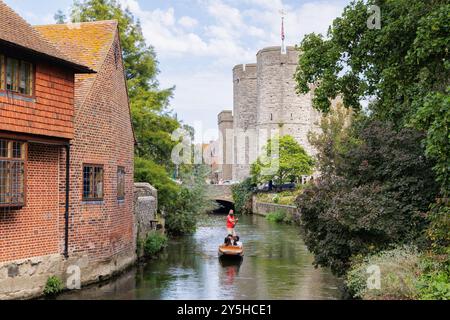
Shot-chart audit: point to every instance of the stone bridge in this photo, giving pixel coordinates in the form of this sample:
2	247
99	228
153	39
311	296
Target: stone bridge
222	195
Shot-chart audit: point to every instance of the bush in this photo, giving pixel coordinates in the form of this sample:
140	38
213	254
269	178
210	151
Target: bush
374	194
399	270
53	286
280	216
242	195
434	282
154	243
191	201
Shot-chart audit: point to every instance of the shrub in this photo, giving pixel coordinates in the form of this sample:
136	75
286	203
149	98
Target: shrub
434	282
399	270
242	195
191	201
154	243
280	216
53	286
373	195
277	216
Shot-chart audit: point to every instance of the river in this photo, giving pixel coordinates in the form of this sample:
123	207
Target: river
276	265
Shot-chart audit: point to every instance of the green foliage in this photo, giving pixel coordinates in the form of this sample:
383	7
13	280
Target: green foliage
333	139
434	116
287	197
280	216
438	231
376	196
286	157
154	243
148	171
434	282
60	17
242	195
191	201
398	267
153	122
53	286
404	67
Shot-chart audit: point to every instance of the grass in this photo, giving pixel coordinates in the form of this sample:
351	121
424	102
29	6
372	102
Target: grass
284	198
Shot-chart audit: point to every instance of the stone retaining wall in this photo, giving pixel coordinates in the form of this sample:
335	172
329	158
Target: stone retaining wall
264	208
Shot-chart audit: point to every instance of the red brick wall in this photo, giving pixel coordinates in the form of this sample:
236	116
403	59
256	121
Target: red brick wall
103	135
50	112
33	230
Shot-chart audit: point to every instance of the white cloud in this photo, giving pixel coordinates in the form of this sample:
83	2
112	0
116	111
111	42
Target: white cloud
222	34
188	22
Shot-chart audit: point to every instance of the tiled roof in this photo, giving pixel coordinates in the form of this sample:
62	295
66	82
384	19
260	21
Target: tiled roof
14	30
88	42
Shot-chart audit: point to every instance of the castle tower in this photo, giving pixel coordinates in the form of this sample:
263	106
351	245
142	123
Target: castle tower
244	111
225	121
278	105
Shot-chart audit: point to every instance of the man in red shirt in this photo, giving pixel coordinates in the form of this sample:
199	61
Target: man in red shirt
231	223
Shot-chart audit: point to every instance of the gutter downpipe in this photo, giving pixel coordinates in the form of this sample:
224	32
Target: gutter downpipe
66	213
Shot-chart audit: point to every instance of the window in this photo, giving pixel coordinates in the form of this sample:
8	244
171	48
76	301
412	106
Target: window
12	173
16	76
92	182
120	183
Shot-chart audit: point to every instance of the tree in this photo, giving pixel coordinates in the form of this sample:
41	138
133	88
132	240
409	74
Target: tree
153	122
403	67
60	17
284	160
334	136
192	200
376	195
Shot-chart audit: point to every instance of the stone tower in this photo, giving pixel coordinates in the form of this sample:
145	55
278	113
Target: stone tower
279	107
225	121
245	116
265	102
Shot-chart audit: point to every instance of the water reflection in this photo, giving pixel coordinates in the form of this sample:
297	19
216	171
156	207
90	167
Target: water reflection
276	265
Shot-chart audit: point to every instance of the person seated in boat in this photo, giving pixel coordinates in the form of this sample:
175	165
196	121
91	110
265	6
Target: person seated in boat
236	241
231	223
228	240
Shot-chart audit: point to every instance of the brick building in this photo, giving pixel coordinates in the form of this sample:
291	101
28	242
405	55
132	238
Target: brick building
66	154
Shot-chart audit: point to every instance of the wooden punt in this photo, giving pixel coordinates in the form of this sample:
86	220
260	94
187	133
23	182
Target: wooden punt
231	251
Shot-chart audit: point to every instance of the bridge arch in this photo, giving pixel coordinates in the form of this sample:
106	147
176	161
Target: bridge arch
223	206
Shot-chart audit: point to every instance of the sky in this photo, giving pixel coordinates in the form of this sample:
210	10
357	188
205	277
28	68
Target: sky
198	42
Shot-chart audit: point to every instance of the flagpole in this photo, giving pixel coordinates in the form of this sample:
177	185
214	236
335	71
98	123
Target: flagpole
283	36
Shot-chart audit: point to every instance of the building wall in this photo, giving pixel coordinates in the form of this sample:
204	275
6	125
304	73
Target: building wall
279	106
102	234
266	103
104	136
33	230
225	120
244	112
49	112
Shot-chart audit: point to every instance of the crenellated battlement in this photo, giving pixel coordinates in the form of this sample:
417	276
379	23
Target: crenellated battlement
265	99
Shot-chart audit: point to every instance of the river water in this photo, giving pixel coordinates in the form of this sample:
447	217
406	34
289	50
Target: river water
276	265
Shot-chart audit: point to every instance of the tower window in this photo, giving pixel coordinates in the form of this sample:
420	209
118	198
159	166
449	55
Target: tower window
271	117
